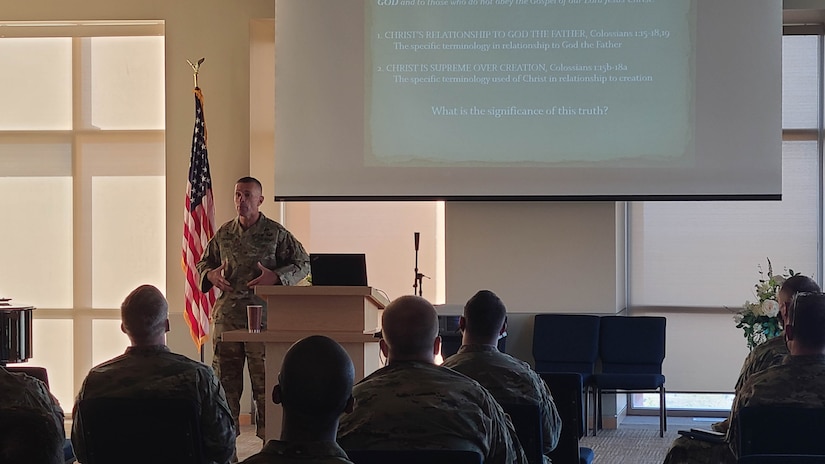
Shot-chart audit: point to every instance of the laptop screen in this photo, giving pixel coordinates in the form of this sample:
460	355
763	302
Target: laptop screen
344	269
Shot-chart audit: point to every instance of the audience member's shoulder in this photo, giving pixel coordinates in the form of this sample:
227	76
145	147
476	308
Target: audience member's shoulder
460	378
520	362
772	346
423	372
107	364
27	382
190	363
768	375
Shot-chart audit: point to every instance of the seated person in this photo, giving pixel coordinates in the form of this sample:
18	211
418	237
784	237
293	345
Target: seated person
800	380
314	388
414	404
797	381
508	379
773	351
686	450
38	420
149	369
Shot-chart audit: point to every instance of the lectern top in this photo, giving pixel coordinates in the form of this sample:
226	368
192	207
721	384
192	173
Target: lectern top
378	297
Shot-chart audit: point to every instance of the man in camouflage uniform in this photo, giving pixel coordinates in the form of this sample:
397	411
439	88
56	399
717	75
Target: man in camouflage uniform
247	251
149	370
26	396
508	379
314	388
414	404
771	353
800	380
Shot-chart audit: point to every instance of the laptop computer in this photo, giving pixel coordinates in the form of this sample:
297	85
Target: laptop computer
338	269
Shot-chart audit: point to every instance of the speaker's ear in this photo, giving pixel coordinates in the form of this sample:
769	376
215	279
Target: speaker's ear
277	395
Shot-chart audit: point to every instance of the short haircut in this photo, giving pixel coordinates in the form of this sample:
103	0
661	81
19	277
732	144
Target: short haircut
250	180
316	378
798	283
144	313
807	316
409	326
484	314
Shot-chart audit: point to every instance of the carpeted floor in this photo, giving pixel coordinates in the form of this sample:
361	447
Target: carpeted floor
636	441
248	443
630	444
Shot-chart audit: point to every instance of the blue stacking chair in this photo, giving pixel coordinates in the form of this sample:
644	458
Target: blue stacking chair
567	343
781	434
632	350
140	430
566	388
527	421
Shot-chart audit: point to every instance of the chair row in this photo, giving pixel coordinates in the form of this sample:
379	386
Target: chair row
629	350
171	426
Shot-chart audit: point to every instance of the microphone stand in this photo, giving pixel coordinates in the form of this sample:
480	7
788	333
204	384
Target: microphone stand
417	283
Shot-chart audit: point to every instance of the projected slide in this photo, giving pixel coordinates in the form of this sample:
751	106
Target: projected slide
529	82
537	99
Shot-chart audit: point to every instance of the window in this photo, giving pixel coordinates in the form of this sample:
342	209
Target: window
82	181
720	245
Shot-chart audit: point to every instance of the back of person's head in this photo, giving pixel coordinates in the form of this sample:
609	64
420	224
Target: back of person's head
315	382
798	283
484	314
806	321
29	437
793	285
144	314
409	328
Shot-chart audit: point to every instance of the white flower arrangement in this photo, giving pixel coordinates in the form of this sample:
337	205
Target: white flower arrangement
759	320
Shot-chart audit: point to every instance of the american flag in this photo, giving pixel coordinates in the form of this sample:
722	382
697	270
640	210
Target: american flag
198	228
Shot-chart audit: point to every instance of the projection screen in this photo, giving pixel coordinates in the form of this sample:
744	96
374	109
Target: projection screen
521	99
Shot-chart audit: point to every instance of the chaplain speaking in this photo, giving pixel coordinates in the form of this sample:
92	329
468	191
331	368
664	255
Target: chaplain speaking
247	251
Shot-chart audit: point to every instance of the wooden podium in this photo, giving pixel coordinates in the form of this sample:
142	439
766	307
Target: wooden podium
348	315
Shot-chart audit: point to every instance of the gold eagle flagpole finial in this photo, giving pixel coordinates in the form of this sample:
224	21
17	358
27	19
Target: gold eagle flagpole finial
195	69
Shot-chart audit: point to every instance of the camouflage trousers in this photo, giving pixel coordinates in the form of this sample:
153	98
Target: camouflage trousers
228	362
686	450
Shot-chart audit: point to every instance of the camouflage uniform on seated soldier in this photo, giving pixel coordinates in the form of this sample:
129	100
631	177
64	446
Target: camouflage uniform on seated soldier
149	369
689	451
800	380
414	404
29	399
508	379
773	351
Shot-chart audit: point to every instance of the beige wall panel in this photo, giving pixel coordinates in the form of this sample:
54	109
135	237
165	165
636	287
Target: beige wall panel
538	257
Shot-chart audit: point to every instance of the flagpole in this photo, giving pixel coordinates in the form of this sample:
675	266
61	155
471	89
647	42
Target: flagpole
195	70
